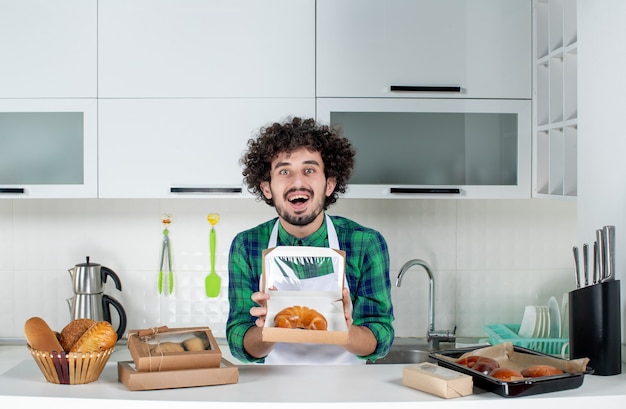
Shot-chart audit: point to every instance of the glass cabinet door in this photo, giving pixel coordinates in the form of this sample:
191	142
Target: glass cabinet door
477	148
48	148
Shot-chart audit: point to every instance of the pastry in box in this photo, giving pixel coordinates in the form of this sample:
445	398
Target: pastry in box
305	286
166	349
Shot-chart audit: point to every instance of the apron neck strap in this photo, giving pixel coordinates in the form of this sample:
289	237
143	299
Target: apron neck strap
333	240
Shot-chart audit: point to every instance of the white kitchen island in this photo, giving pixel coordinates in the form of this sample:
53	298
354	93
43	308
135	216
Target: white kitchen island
260	386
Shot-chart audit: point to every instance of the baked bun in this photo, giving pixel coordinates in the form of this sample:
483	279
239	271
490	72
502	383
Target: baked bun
40	337
537	371
196	344
99	337
468	361
164	347
300	317
505	374
72	332
485	365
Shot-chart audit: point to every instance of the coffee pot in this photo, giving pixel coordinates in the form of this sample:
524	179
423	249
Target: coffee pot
89	301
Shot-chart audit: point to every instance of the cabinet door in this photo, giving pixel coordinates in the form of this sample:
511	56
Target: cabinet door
194	48
48	48
48	148
432	148
162	148
364	47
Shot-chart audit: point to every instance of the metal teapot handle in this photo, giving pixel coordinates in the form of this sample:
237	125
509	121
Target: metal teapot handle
105	271
107	302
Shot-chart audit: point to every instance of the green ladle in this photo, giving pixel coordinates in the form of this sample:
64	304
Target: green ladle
213	282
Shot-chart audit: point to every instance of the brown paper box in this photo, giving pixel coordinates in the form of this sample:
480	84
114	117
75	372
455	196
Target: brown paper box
328	303
147	359
134	380
436	380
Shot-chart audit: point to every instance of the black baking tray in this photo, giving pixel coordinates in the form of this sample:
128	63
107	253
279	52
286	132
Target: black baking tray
512	389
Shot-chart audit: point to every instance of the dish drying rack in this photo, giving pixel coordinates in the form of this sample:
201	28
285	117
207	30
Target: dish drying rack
499	333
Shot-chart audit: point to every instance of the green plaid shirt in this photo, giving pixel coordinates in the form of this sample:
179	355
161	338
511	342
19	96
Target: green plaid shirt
367	272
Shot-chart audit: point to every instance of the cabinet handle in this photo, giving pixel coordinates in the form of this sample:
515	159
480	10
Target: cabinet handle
426	88
205	190
12	190
427	190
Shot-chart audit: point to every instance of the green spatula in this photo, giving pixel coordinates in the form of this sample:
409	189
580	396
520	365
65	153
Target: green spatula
213	282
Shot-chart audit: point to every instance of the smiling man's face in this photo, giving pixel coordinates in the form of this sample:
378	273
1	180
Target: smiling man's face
299	187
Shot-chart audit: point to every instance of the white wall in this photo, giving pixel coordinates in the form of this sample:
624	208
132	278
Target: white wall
601	131
491	257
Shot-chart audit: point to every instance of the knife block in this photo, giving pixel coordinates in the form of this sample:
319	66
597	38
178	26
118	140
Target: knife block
595	326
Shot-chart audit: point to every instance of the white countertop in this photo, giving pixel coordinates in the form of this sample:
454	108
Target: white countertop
21	382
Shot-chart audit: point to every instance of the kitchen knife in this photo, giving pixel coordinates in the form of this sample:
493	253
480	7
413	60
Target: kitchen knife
576	266
596	277
608	234
586	263
600	241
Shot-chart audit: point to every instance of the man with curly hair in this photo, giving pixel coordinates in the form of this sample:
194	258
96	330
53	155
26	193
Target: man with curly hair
300	168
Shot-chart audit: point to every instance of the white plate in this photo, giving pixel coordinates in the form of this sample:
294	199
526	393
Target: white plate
555	318
528	322
547	321
565	316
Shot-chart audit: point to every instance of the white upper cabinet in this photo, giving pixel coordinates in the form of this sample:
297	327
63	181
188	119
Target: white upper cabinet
191	147
48	49
481	47
48	148
195	48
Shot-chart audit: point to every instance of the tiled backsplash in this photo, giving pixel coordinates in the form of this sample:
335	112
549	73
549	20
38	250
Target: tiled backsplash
490	257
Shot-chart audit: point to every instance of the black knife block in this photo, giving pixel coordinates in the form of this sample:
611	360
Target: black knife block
595	326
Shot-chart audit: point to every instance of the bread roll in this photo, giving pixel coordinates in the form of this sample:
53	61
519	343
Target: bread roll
72	332
40	337
99	337
537	371
196	344
505	374
468	361
485	365
164	347
300	317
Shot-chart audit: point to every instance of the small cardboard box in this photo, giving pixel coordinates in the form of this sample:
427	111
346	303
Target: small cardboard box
166	349
436	380
184	378
321	291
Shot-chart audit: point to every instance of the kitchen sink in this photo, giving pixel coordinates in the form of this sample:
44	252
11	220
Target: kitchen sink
415	350
403	356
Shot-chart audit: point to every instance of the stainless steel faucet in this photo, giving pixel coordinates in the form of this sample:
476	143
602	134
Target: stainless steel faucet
433	336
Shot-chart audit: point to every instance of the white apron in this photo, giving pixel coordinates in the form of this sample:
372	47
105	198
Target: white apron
311	354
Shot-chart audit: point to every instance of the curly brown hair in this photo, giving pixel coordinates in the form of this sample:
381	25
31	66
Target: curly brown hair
336	151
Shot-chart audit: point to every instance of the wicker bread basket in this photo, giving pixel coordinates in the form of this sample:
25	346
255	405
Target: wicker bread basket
73	368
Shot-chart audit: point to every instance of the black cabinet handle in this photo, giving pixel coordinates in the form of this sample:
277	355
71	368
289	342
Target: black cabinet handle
205	190
425	88
12	190
426	190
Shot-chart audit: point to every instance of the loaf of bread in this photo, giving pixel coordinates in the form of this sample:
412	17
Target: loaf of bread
71	333
300	317
99	337
40	337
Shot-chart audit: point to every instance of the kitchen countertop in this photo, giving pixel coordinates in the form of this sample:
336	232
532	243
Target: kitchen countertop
21	382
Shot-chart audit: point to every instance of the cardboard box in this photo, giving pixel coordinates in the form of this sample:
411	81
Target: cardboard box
436	380
135	380
152	349
282	277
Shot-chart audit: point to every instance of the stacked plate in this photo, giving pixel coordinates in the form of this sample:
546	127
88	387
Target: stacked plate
541	321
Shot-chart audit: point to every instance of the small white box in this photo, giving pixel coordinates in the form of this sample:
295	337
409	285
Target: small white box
436	380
